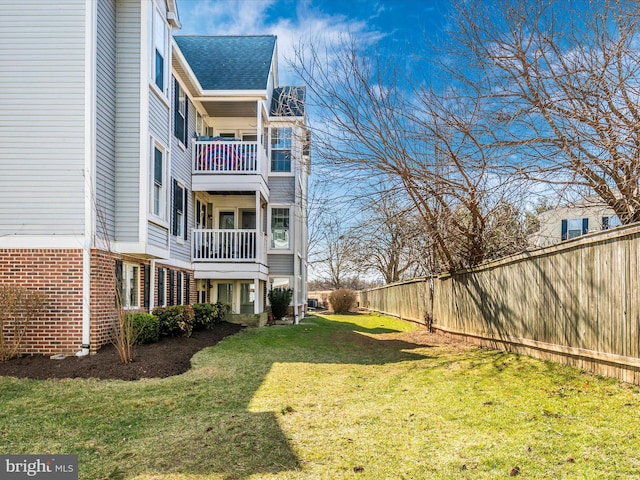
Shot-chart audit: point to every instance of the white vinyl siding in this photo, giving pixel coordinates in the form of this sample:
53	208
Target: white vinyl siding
158	118
42	64
280	264
128	71
158	235
106	119
282	189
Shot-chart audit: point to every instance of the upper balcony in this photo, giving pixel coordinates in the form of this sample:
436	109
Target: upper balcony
229	165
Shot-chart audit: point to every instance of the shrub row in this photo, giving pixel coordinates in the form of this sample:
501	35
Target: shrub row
177	320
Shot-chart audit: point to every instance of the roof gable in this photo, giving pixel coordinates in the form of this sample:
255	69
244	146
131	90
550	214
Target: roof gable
229	62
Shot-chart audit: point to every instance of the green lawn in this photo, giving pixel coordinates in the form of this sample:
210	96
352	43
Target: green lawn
335	397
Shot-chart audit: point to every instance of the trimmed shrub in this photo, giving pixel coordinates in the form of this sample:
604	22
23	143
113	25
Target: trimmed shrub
342	301
176	320
209	314
280	298
145	326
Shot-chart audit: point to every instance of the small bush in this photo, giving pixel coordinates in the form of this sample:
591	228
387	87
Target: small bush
176	320
145	326
280	298
209	314
19	306
342	301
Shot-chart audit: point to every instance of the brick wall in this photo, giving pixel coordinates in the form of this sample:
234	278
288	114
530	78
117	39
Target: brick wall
103	295
57	274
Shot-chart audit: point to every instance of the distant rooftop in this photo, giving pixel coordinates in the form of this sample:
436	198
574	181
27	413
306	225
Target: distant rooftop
229	62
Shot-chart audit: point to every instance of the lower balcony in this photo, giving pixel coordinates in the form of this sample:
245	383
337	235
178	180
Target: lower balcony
224	245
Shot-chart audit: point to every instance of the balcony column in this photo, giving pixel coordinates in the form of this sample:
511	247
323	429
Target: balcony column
258	229
256	296
259	158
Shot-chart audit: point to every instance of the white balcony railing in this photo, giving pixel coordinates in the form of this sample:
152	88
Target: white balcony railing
227	157
225	245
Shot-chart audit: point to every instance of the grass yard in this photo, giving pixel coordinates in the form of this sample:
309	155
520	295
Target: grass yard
338	397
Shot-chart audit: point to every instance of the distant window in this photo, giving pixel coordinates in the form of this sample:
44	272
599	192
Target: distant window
280	228
181	113
281	150
610	222
574	227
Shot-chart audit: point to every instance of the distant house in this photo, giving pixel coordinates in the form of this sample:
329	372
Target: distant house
573	220
172	169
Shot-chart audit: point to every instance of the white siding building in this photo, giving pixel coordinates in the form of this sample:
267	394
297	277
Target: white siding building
173	168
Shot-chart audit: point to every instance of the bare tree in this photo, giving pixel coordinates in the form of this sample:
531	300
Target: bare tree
565	81
379	129
391	241
336	252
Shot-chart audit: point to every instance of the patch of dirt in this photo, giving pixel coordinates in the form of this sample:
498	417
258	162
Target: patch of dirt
170	356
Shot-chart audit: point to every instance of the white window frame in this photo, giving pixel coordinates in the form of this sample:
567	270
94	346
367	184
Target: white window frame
130	280
272	245
159	41
276	147
165	281
160	212
572	222
180	288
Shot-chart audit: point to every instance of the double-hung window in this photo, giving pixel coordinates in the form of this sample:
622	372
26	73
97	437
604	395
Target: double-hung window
130	293
574	227
181	113
281	149
280	228
159	57
158	182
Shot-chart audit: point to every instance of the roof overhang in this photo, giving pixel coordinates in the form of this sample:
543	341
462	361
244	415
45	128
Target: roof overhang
172	14
231	103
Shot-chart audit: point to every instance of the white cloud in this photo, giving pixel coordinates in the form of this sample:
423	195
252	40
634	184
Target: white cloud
307	24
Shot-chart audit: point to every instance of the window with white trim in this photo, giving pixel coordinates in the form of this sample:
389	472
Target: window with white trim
162	287
180	288
280	228
158	188
160	48
281	149
130	285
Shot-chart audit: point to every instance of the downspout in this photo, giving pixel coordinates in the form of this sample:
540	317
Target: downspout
89	170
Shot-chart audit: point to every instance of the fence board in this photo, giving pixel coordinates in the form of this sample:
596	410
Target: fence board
577	302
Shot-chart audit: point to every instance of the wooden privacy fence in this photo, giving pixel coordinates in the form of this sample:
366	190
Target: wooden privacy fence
577	302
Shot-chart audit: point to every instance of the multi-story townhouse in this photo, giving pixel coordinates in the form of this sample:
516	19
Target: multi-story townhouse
170	169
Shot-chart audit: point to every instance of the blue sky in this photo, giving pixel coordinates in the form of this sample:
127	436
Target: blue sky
397	25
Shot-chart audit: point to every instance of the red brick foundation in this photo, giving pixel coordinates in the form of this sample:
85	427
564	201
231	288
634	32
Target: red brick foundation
57	274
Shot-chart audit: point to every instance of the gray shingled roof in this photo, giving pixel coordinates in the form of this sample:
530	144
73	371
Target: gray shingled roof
288	102
229	62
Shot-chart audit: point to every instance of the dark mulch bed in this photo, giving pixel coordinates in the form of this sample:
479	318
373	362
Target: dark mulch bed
170	356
